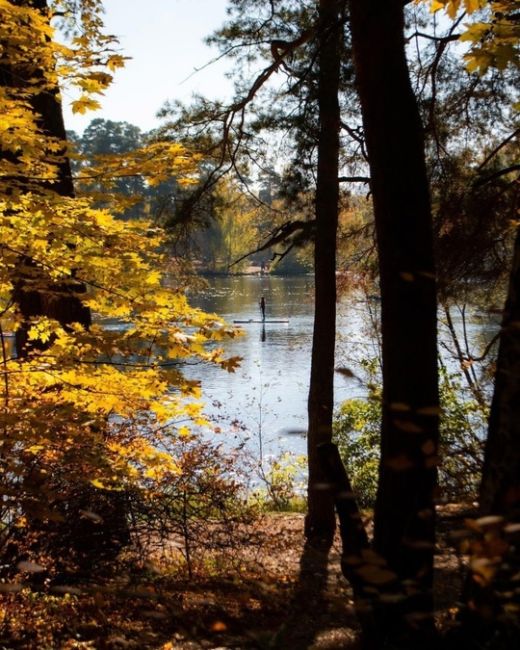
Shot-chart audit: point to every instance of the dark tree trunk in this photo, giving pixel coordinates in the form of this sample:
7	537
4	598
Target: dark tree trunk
58	301
320	521
483	619
500	489
404	516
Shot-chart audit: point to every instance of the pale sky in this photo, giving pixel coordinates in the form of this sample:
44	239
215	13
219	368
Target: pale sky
164	39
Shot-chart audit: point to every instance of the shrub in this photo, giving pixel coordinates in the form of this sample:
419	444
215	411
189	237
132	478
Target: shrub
357	434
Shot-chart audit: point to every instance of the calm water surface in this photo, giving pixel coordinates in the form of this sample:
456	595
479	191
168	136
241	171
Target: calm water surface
265	401
267	396
263	405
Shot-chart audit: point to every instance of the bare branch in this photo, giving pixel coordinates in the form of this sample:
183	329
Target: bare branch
439	39
501	172
498	148
353	179
279	236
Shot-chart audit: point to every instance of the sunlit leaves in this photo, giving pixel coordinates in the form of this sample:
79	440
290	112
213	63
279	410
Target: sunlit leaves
357	432
94	405
452	7
34	61
84	104
494	38
494	42
155	162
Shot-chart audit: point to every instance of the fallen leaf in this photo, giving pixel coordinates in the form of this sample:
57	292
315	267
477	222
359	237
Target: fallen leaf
218	626
30	567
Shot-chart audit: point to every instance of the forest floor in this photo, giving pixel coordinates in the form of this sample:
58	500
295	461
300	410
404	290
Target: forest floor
274	595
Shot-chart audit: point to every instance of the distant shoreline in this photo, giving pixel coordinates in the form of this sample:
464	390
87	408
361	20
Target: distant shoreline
227	274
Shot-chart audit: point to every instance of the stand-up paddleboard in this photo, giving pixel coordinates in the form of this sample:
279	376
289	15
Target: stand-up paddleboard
263	322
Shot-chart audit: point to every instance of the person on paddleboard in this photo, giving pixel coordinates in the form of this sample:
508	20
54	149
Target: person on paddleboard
262	307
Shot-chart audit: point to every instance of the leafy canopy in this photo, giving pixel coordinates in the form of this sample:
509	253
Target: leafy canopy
97	405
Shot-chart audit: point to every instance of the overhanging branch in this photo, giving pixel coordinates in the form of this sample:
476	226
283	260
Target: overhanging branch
353	179
284	234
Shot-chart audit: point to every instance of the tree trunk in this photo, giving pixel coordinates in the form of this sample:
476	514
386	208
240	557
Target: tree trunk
500	489
484	620
58	301
37	295
404	532
320	521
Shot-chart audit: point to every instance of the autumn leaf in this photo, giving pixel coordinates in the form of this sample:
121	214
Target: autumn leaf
218	626
84	104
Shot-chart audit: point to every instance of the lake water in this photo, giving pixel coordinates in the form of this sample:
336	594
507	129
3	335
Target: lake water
266	398
264	403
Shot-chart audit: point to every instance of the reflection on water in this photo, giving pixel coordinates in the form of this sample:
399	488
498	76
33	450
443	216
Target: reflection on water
267	395
265	401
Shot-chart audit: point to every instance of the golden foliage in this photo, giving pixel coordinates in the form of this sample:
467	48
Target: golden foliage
494	39
93	405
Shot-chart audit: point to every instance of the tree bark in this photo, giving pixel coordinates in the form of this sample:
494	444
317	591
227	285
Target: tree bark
483	618
38	295
58	301
500	489
320	520
404	515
